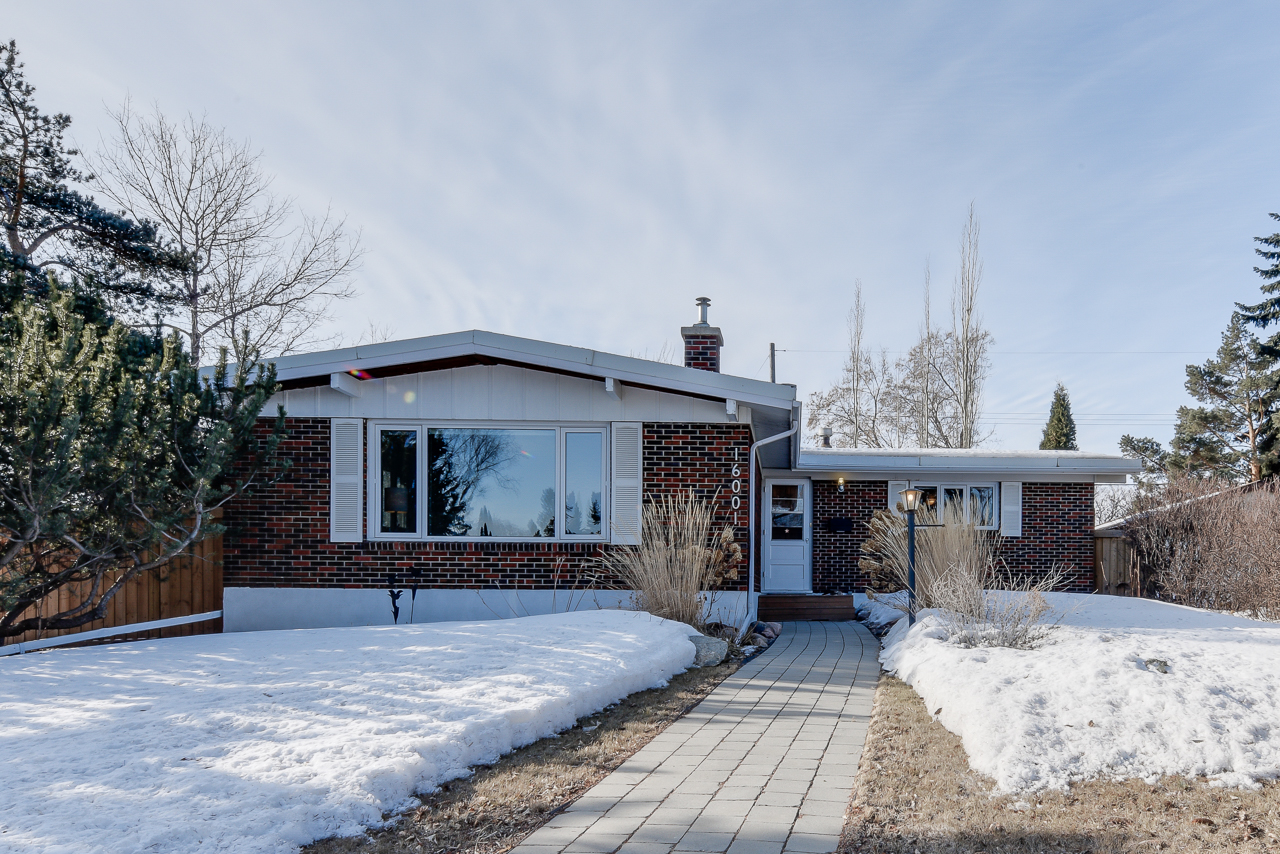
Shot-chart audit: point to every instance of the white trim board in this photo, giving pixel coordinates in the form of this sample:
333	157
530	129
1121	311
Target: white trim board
248	609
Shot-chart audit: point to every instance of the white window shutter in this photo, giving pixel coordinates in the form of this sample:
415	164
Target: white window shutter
627	482
1011	509
346	480
895	493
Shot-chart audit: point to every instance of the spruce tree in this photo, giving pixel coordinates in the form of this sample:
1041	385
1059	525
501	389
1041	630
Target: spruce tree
1262	315
1060	431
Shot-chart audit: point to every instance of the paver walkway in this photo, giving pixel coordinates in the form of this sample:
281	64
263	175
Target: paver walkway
765	764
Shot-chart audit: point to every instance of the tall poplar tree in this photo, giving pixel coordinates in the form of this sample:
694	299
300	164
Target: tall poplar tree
1060	431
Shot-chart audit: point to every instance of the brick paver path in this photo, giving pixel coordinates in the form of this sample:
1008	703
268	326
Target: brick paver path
763	765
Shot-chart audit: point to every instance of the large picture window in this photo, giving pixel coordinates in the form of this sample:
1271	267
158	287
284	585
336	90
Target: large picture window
967	502
460	482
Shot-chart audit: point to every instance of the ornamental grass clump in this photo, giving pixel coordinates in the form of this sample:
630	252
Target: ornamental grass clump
960	574
682	558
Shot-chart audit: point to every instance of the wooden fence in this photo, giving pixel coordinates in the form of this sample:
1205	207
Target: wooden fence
189	584
1115	563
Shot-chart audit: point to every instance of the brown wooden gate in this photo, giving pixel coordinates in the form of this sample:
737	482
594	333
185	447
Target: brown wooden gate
1115	564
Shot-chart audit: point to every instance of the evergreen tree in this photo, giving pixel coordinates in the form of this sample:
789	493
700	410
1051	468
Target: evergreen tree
1262	315
1060	430
1223	437
114	455
49	225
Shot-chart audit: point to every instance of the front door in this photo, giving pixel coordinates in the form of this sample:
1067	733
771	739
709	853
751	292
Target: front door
786	537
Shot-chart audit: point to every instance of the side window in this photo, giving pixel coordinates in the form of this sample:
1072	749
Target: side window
982	506
583	499
398	493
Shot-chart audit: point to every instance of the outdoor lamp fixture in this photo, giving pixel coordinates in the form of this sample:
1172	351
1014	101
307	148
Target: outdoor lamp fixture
911	501
840	485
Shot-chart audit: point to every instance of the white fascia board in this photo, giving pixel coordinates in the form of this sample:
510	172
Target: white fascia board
956	475
541	354
915	464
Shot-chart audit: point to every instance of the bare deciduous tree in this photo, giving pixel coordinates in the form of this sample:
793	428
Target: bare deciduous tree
1211	544
931	397
262	277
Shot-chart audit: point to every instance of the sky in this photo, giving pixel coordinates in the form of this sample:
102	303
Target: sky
580	172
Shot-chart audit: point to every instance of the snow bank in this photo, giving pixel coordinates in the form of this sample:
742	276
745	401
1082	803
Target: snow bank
1089	705
260	742
876	613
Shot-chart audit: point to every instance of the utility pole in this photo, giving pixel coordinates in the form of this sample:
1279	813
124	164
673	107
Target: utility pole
773	364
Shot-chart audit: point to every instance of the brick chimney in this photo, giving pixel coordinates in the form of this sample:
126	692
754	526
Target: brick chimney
702	341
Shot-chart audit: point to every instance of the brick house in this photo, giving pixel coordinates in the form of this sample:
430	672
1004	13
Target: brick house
482	475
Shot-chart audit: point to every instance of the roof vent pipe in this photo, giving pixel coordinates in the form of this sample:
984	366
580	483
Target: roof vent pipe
703	304
826	437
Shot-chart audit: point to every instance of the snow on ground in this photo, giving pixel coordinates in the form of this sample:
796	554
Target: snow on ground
262	741
1089	704
877	613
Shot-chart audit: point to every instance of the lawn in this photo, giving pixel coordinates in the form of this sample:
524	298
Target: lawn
261	742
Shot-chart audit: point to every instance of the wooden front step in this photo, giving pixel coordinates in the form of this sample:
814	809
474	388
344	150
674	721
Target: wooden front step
779	607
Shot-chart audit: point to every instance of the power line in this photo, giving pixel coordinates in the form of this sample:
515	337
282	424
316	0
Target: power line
1052	352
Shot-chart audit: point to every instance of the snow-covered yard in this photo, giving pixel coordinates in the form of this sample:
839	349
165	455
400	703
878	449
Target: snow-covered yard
1093	702
260	742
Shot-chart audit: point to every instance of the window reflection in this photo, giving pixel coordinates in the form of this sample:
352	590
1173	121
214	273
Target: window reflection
982	506
491	483
583	483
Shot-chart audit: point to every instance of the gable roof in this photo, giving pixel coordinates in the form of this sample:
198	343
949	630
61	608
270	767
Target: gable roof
477	347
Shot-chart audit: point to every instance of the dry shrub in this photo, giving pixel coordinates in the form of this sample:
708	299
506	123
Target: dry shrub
680	556
959	572
1212	545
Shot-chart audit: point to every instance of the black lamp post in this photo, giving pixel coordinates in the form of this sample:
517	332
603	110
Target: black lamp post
911	501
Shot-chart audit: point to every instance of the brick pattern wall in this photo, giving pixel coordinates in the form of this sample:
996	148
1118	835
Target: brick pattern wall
835	555
279	536
1057	530
701	457
702	352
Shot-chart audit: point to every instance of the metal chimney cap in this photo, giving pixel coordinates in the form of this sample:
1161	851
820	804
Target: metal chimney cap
703	303
826	437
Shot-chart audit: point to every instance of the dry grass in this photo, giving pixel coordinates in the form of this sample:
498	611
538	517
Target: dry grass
680	556
917	795
499	805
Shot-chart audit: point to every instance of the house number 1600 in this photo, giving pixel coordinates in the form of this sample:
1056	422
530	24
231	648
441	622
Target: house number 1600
736	486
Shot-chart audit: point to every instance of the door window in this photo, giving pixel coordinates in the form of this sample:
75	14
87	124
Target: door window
786	510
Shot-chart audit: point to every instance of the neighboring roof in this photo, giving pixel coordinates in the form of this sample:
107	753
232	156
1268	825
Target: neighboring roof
476	347
921	463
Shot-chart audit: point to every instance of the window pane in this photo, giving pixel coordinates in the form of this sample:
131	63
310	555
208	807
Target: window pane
953	504
982	505
399	481
583	483
928	512
787	512
491	483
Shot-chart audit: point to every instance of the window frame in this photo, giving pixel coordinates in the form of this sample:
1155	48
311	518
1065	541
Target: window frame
943	485
373	478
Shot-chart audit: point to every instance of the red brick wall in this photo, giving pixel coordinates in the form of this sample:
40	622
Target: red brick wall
835	555
1057	530
702	352
279	536
702	456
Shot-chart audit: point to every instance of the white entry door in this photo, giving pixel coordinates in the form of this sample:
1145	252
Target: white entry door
786	537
